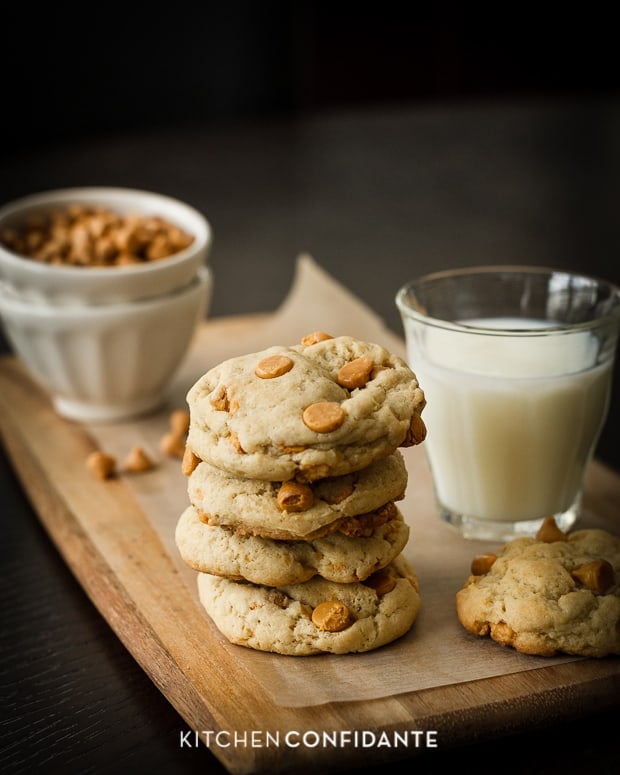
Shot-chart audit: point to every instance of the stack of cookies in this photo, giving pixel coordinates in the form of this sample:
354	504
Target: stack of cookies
294	471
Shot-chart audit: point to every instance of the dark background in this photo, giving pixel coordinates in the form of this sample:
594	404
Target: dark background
74	70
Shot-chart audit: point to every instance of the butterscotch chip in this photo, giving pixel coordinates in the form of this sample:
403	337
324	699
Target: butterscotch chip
160	247
273	366
234	440
316	336
597	575
189	462
127	259
381	581
550	532
102	465
323	417
355	374
137	461
417	431
548	597
482	563
219	401
179	422
335	489
295	497
331	616
172	445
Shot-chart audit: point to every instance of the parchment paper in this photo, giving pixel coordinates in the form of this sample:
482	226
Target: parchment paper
437	651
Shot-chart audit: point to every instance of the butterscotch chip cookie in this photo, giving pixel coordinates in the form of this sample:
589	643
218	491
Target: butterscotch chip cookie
314	617
548	596
305	412
336	557
288	510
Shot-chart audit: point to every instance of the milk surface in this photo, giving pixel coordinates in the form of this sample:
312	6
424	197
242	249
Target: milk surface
512	421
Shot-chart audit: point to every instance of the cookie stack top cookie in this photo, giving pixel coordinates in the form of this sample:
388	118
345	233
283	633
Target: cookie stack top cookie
326	407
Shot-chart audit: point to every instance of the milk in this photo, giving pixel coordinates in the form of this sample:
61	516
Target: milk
512	420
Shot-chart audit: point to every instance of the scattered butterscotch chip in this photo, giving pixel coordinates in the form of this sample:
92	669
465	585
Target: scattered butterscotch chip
597	575
295	496
331	616
102	465
315	337
190	461
549	531
381	581
172	443
273	366
179	422
324	416
137	461
355	374
482	563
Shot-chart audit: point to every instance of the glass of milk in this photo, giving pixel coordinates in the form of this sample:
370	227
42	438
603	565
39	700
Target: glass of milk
516	366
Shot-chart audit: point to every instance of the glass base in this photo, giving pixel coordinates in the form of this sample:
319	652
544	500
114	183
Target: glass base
489	530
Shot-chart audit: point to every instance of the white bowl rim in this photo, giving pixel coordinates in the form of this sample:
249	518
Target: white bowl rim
203	233
24	308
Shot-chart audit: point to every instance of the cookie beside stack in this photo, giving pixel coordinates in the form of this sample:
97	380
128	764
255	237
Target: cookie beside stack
547	594
294	471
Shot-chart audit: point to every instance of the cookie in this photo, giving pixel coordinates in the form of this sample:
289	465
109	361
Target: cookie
338	558
293	511
317	616
559	595
305	412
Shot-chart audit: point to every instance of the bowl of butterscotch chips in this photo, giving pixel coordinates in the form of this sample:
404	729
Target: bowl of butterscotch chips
100	245
101	290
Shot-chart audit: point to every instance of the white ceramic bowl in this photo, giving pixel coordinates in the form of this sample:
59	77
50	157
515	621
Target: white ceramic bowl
65	284
107	362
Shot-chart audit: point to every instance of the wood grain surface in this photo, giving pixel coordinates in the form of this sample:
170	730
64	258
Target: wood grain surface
110	546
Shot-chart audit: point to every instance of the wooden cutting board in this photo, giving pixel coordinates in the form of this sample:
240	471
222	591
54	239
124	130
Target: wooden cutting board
116	555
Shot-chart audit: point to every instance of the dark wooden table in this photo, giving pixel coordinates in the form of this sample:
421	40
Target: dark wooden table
376	197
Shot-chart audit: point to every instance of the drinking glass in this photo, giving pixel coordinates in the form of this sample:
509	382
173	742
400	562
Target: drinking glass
516	365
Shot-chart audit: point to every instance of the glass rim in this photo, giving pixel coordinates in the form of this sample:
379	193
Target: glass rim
514	269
